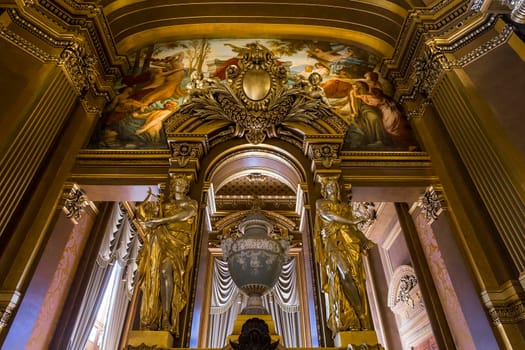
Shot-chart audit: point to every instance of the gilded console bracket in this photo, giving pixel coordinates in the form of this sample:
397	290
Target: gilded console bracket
506	305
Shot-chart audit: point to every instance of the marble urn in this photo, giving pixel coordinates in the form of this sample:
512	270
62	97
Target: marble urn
255	260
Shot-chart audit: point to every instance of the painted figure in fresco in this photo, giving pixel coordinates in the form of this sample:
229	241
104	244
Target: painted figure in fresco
339	247
153	120
366	116
372	80
395	125
166	82
167	255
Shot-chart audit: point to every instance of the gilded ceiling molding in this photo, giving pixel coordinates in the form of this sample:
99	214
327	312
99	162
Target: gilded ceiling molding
252	30
26	45
515	7
420	22
85	20
78	41
436	56
432	203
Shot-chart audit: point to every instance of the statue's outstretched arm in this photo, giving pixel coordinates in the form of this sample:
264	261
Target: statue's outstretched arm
332	216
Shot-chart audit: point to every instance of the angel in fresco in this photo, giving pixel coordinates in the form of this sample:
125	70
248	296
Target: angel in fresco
339	246
167	256
329	57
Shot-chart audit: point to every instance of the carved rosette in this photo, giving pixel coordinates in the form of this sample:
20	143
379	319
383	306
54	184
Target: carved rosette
432	204
325	153
184	152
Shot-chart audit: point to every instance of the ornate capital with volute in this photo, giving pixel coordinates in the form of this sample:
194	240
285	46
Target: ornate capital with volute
432	203
75	200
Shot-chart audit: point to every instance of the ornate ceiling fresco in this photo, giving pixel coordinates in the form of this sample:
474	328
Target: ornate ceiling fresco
161	76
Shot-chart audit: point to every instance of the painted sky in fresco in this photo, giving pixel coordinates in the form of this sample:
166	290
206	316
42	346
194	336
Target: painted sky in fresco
155	87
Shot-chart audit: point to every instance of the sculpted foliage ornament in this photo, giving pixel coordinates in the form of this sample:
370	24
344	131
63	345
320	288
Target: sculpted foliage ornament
255	96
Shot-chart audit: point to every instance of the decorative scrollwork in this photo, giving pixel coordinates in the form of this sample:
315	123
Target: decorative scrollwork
80	67
406	284
427	70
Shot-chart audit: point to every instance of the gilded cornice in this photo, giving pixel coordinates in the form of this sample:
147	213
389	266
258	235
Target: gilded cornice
437	56
419	24
506	304
429	42
74	37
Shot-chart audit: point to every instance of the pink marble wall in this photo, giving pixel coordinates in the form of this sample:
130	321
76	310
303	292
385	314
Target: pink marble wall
61	281
447	295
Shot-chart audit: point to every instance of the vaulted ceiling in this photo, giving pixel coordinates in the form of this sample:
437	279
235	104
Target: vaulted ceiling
376	24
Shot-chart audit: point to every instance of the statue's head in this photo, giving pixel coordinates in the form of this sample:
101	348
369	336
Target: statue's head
329	187
179	184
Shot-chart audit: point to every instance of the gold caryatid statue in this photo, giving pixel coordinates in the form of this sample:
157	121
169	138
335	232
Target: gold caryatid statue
167	255
339	246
